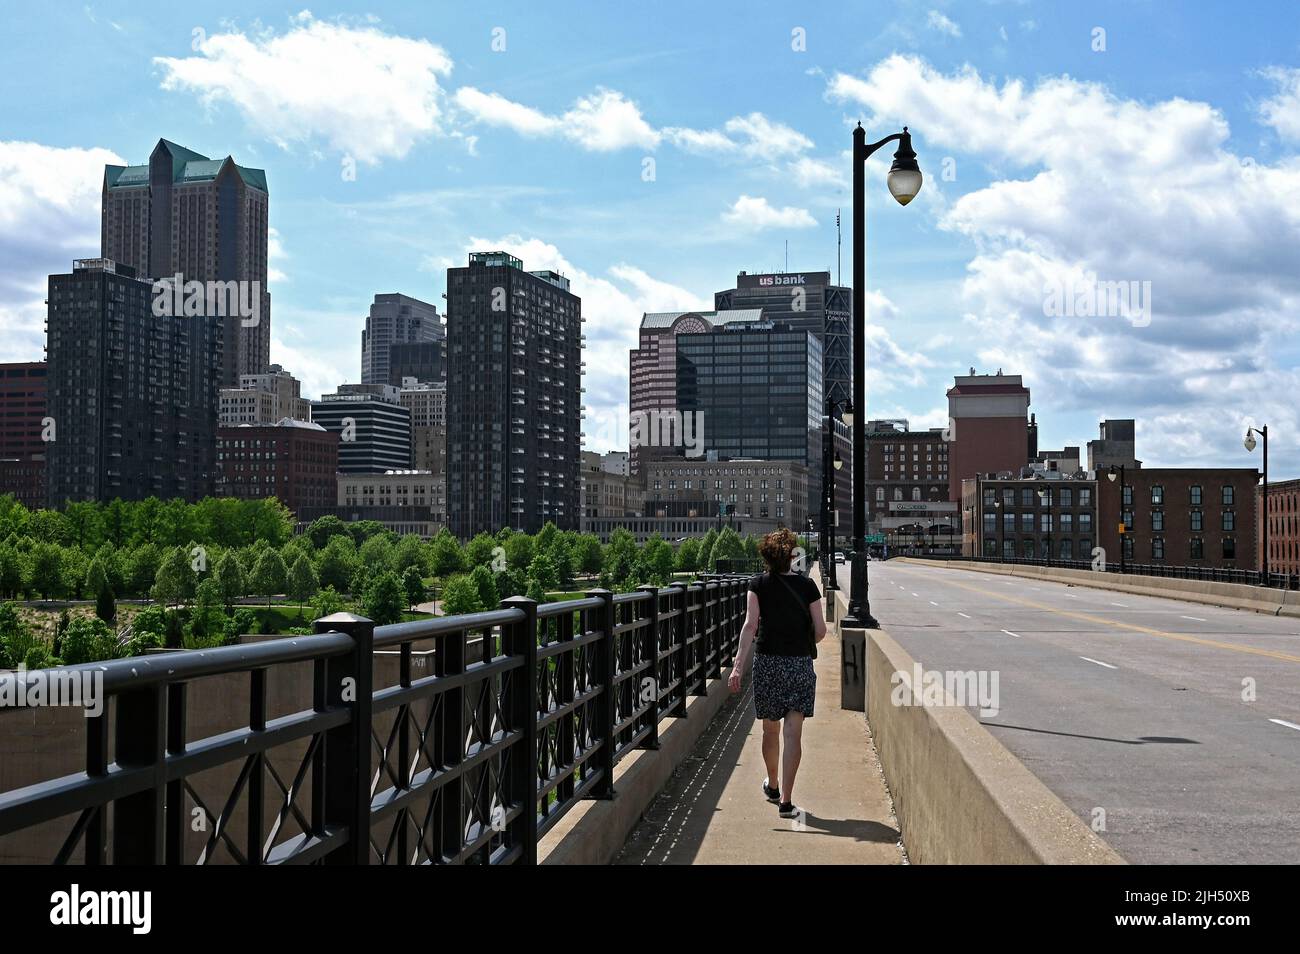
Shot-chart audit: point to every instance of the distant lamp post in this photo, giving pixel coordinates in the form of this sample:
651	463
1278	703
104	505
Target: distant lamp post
904	183
1118	472
831	462
1249	444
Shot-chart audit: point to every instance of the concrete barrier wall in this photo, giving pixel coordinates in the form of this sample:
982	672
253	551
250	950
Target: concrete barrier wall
959	795
1258	599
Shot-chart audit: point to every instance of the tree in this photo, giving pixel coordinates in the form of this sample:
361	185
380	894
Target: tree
445	556
688	555
376	555
478	552
511	581
589	555
536	592
45	569
728	546
11	572
410	552
337	563
324	529
327	603
269	575
384	599
207	618
142	569
88	639
302	582
486	586
413	586
16	639
97	583
657	560
706	549
519	549
460	596
230	578
562	557
542	569
172	582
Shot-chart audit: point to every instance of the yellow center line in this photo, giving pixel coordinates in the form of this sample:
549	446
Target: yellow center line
1088	618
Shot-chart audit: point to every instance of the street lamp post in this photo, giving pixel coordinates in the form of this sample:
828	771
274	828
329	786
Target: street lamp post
831	464
904	183
1249	444
1123	563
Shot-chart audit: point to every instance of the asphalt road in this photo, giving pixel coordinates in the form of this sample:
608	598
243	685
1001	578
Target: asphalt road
1134	706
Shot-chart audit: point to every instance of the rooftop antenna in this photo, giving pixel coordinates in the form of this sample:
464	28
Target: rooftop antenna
837	247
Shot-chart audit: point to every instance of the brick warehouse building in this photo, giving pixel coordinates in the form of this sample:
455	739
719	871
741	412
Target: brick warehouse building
1283	526
1029	518
989	429
22	450
294	461
1182	516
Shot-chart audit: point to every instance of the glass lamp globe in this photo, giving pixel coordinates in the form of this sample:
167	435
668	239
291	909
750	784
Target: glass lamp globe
904	184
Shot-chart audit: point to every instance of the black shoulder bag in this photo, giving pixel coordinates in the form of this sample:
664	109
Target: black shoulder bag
812	639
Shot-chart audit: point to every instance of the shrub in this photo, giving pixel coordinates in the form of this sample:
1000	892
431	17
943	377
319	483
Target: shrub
88	639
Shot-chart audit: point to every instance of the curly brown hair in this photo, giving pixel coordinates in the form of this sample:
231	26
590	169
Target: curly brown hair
777	549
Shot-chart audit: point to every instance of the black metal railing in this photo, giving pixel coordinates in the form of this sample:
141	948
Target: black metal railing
527	710
1284	581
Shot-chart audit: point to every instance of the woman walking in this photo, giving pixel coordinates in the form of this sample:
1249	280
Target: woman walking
784	612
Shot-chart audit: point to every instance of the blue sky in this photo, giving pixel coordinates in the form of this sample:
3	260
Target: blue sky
1165	149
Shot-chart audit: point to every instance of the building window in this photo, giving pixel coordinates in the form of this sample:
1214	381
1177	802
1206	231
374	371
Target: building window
1229	548
990	547
1008	497
1198	549
1196	495
1128	548
1026	497
1045	523
916	493
1157	496
1229	519
1067	497
990	521
1227	496
1027	548
880	495
1196	520
1085	496
990	495
1157	520
898	493
1158	548
1128	496
1067	549
1009	549
1085	523
1008	523
1026	523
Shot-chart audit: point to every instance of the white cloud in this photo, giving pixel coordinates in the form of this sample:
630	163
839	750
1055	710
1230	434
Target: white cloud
756	213
604	121
49	215
358	90
1094	184
940	23
1282	109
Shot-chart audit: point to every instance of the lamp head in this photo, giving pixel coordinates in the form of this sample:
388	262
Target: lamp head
846	413
904	175
839	461
1113	474
1249	442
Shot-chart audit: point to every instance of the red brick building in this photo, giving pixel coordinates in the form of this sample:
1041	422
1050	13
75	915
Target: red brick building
1181	516
22	451
988	429
296	462
1283	526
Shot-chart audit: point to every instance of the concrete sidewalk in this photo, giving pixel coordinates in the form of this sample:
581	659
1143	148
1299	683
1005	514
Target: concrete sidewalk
713	810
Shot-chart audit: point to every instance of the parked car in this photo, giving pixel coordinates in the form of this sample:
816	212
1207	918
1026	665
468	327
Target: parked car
839	557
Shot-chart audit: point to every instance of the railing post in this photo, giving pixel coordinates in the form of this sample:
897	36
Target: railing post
713	605
650	651
177	817
681	627
140	739
521	784
605	709
349	683
701	654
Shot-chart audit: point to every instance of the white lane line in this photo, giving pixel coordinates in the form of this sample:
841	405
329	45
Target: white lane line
963	614
1125	605
916	596
933	603
1289	725
1009	633
1197	618
1071	596
1098	662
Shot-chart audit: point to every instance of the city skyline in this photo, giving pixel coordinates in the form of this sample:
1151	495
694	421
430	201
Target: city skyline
1038	147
